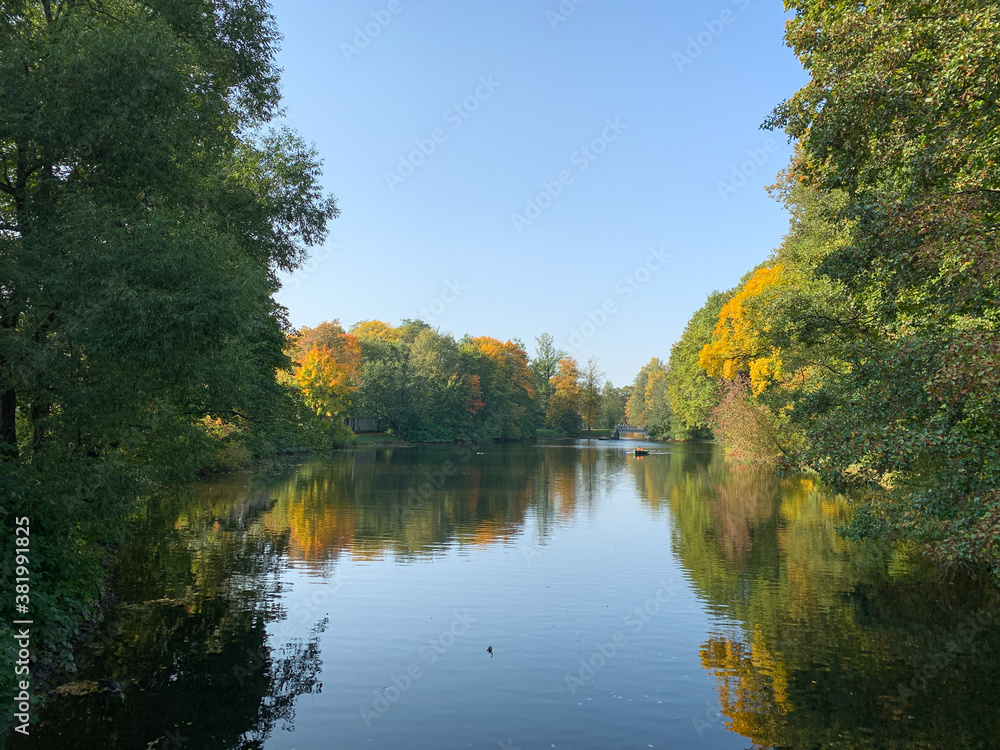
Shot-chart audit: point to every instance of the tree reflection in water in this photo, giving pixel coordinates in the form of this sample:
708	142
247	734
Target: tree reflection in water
814	642
187	637
819	642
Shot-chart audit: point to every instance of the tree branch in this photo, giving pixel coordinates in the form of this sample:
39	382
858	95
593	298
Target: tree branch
977	190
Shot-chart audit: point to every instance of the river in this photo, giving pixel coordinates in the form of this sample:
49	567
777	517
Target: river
560	594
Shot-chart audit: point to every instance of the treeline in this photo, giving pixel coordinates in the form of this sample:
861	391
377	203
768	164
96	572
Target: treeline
419	384
867	347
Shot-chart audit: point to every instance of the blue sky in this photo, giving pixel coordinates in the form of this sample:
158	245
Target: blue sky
591	169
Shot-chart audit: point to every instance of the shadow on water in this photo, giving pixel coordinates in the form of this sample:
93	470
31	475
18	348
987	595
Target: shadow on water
812	641
195	593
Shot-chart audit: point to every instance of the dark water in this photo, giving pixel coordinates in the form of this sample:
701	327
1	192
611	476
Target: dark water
672	601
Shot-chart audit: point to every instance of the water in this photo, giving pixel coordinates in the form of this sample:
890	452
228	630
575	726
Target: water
670	601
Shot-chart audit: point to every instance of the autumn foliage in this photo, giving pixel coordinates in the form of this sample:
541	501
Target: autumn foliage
563	411
326	367
738	346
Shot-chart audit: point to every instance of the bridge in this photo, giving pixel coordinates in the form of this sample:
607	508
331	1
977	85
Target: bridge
630	429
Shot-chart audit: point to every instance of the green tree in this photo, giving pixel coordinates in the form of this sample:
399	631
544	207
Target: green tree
898	116
591	379
692	393
612	409
543	367
387	393
637	407
660	419
447	398
144	214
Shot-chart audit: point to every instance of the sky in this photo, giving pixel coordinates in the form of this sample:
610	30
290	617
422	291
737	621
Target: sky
587	168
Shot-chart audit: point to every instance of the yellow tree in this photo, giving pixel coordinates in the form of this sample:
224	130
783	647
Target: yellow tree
375	328
328	381
738	346
639	404
510	360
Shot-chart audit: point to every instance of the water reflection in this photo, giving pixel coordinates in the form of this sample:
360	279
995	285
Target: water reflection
825	643
194	596
409	503
808	640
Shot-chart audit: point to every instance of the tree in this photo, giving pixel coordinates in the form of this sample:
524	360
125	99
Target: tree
386	392
378	328
637	407
326	368
446	398
591	380
326	383
691	391
660	419
649	404
737	346
894	117
543	367
505	382
327	335
612	409
748	428
426	387
563	413
145	211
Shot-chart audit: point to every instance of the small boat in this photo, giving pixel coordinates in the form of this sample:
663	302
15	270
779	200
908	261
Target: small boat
603	438
641	452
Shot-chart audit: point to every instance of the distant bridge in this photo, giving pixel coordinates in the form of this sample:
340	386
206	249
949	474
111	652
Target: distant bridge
630	429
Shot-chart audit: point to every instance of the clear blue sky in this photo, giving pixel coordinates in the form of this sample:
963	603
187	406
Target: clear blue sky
634	142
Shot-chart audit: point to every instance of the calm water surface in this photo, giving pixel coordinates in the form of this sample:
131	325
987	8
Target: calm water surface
671	601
